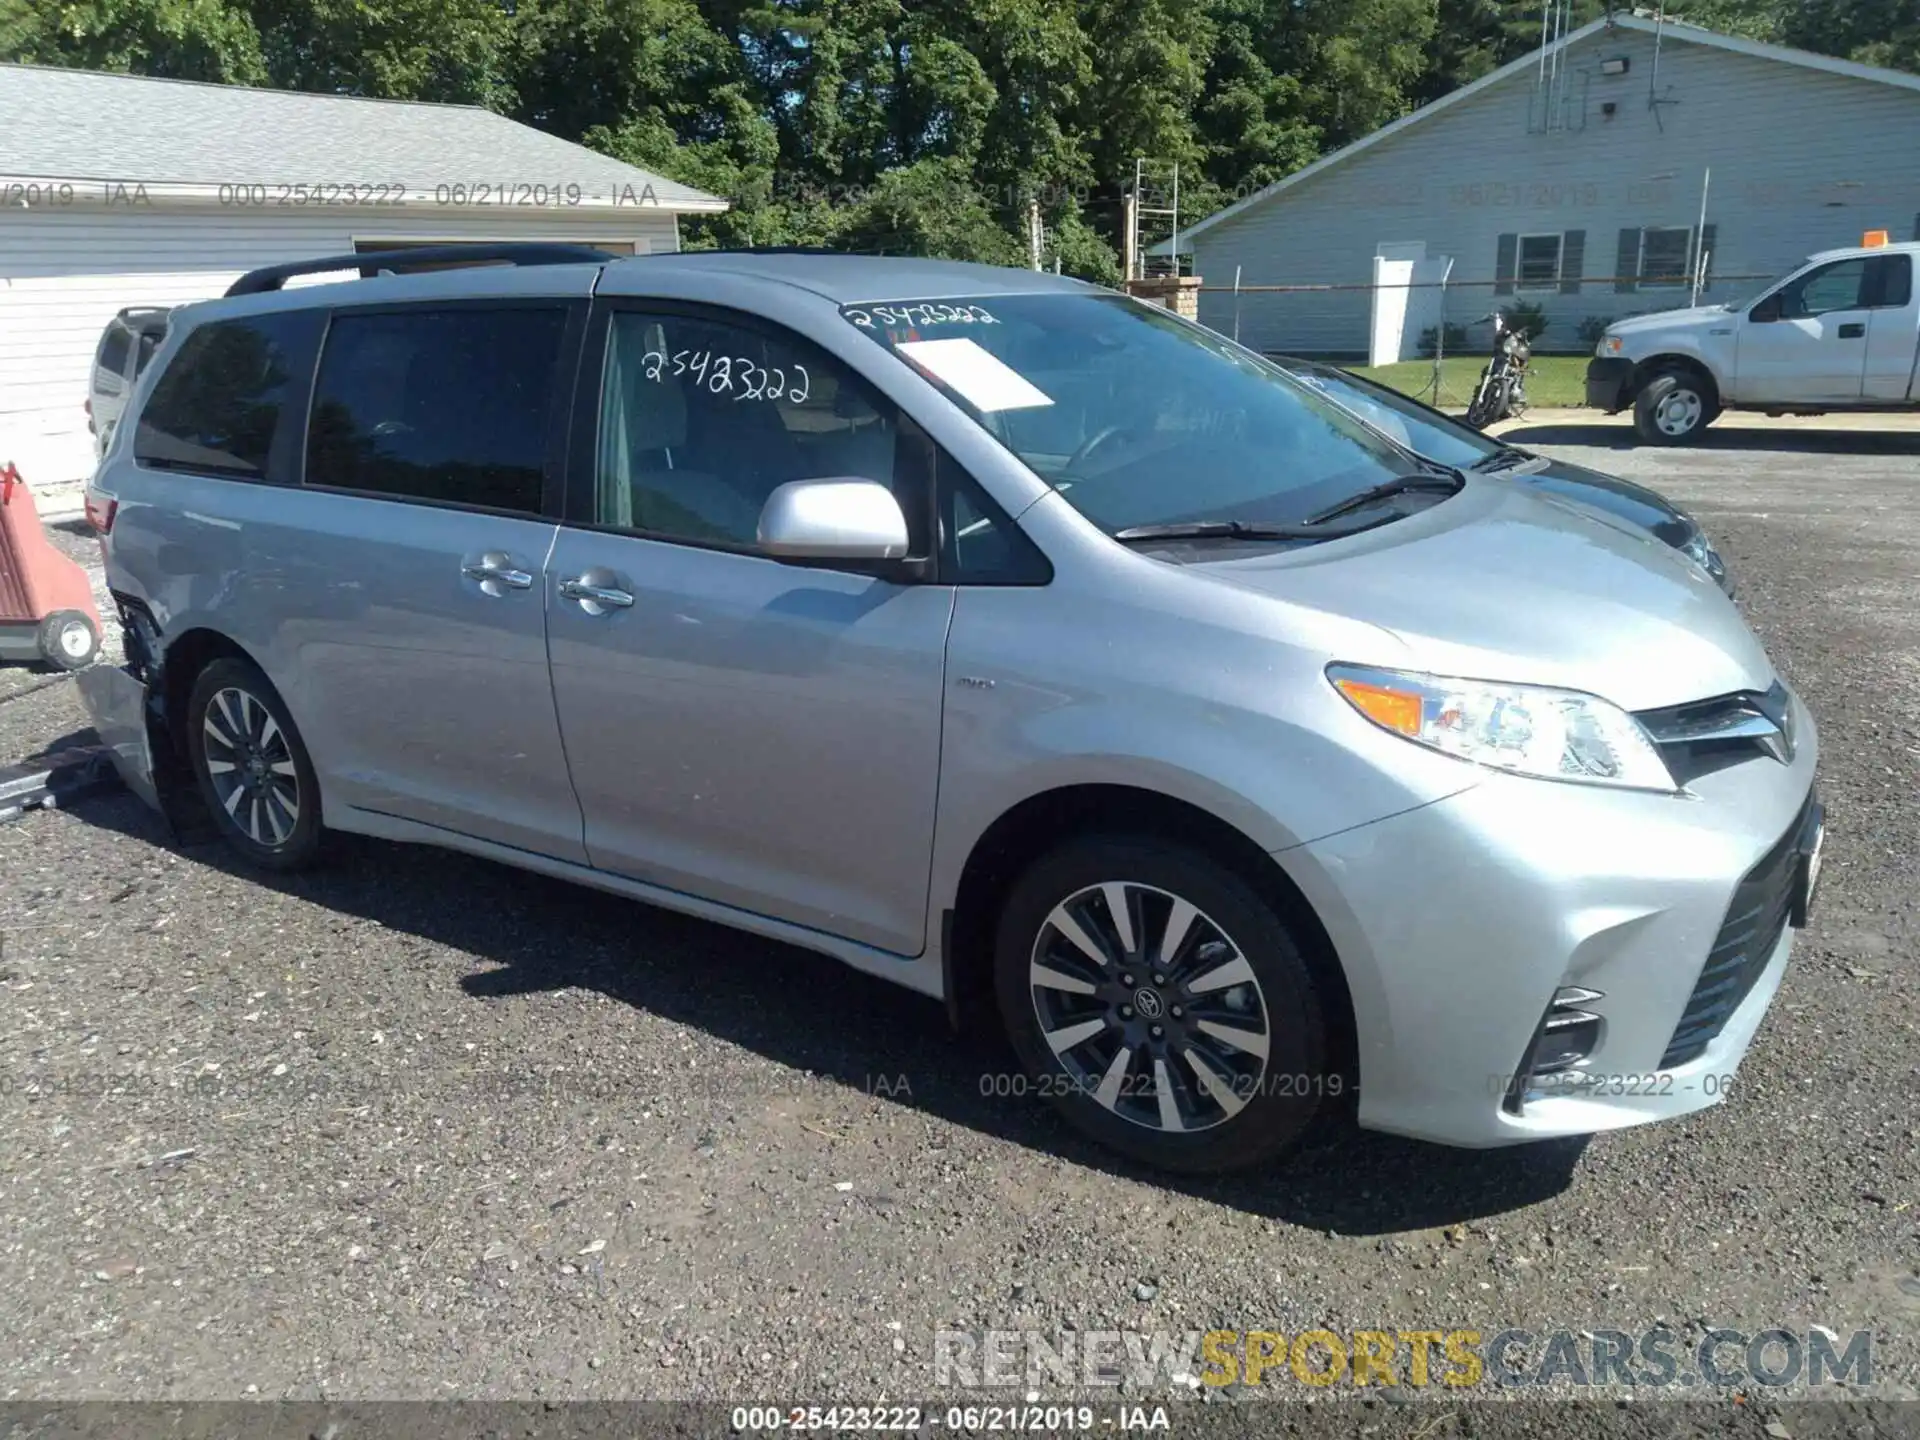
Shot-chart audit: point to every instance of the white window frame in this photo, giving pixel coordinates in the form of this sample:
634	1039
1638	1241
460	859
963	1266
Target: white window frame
1521	284
1660	282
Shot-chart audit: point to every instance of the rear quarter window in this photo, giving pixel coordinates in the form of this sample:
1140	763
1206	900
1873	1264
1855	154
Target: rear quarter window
224	398
113	350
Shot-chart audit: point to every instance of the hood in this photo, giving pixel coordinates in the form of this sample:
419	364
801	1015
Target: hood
1668	319
1502	583
1609	494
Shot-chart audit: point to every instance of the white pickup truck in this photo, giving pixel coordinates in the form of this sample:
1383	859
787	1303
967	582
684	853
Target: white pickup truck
1841	331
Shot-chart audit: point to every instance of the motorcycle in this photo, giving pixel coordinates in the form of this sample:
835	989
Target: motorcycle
1502	392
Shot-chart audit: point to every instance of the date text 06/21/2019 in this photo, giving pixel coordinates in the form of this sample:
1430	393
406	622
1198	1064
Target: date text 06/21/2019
970	1419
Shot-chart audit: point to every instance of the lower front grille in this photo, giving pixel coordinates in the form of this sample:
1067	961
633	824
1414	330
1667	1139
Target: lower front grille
1759	913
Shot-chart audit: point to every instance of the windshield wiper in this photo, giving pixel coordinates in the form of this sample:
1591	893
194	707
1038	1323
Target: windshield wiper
1439	477
1236	530
1505	458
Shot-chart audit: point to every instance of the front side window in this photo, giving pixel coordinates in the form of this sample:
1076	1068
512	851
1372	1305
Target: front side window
216	407
1134	416
1539	262
1838	286
702	419
453	406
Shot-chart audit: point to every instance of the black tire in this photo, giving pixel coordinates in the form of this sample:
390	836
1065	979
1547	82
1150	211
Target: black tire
1673	408
270	816
60	636
1489	403
1277	1097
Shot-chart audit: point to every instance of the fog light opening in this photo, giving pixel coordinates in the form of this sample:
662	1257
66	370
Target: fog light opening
1567	1034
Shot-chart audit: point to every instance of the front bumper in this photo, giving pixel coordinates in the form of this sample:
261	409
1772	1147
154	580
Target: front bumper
1458	923
116	702
1609	383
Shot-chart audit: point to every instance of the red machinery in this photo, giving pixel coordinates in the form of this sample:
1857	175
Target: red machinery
46	602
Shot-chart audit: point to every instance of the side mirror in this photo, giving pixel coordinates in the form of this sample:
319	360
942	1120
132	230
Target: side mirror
837	519
1767	310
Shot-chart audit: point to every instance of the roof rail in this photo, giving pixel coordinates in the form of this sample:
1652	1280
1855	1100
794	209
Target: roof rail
372	262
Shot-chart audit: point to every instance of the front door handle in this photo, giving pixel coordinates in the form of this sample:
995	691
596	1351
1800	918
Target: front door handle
1853	331
496	573
595	595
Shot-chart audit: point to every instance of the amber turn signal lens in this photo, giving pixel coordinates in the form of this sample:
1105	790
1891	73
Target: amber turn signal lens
1396	709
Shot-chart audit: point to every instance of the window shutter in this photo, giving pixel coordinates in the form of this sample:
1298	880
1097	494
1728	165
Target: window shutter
1573	261
1707	234
1626	264
1504	259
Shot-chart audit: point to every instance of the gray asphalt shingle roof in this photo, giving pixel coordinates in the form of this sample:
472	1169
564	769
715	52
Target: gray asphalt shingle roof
83	124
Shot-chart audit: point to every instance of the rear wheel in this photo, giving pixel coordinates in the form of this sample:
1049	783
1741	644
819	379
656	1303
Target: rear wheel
252	767
68	640
1161	1005
1673	408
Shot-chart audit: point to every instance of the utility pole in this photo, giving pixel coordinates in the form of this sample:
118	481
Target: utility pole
1700	237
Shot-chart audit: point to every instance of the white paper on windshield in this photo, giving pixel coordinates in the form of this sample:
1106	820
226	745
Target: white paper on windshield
976	374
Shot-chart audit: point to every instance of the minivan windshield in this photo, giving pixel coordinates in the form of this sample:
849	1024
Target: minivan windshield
1407	421
1138	418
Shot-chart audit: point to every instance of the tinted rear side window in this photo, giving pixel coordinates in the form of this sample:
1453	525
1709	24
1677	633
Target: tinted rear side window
113	349
1892	282
218	403
453	406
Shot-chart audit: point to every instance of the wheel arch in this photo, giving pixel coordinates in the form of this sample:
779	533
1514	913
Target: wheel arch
1049	818
1675	362
185	656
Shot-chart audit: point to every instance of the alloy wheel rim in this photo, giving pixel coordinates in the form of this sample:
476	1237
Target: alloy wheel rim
251	766
76	639
1679	412
1149	1006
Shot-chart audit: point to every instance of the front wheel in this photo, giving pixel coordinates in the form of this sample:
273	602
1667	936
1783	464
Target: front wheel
1672	409
252	766
1489	401
1161	1005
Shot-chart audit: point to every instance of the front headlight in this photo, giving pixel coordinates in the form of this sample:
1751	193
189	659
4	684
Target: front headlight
1609	345
1527	729
1700	550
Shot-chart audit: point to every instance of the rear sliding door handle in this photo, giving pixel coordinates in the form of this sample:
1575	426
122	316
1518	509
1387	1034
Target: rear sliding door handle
596	599
496	573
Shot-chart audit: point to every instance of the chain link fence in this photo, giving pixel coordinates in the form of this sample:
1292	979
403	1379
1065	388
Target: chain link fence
1447	327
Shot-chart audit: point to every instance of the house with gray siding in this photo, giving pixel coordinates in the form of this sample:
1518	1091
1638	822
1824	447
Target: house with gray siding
1574	179
125	190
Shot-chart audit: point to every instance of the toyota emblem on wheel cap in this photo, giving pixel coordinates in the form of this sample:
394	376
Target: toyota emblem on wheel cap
1147	1002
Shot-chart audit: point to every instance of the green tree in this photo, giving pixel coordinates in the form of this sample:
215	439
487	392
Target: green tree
448	50
181	39
1873	32
930	207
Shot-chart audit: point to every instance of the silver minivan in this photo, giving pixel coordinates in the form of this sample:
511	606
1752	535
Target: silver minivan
1009	638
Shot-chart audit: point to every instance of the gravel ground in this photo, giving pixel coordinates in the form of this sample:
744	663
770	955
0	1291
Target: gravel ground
417	1126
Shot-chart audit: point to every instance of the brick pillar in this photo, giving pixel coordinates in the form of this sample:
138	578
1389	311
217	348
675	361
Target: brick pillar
1179	293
